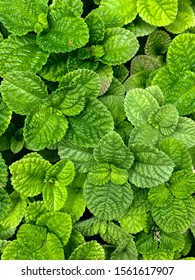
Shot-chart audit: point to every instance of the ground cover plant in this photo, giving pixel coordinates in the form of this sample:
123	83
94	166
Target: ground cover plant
97	129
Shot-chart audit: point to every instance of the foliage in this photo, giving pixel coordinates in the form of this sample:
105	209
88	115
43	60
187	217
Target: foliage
97	129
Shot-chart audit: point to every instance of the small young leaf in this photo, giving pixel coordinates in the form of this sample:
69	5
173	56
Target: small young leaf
157	43
139	27
3	172
96	28
34	210
111	149
139	103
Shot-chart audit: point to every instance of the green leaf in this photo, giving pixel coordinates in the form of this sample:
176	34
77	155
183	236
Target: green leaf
16	213
55	67
3	172
105	73
125	251
144	133
23	91
139	27
75	203
143	62
180	56
17	141
135	219
185	132
24	16
76	5
67	31
182	184
184	19
28	174
91	250
103	173
175	214
93	123
157	13
165	119
139	103
34	210
120	72
120	45
5	204
91	226
62	172
111	149
117	13
52	249
54	196
14	251
44	128
96	28
31	236
108	201
177	152
178	89
5	115
157	43
81	157
21	54
151	166
158	196
76	239
58	223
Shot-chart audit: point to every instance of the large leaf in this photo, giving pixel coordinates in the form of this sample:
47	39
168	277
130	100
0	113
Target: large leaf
24	15
23	91
120	45
158	13
91	250
174	214
139	103
117	13
165	119
151	166
178	89
111	149
93	123
66	32
58	223
109	201
181	53
44	127
28	174
21	54
184	19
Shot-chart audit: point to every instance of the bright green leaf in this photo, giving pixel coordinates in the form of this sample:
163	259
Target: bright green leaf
96	28
91	250
151	166
28	174
5	115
